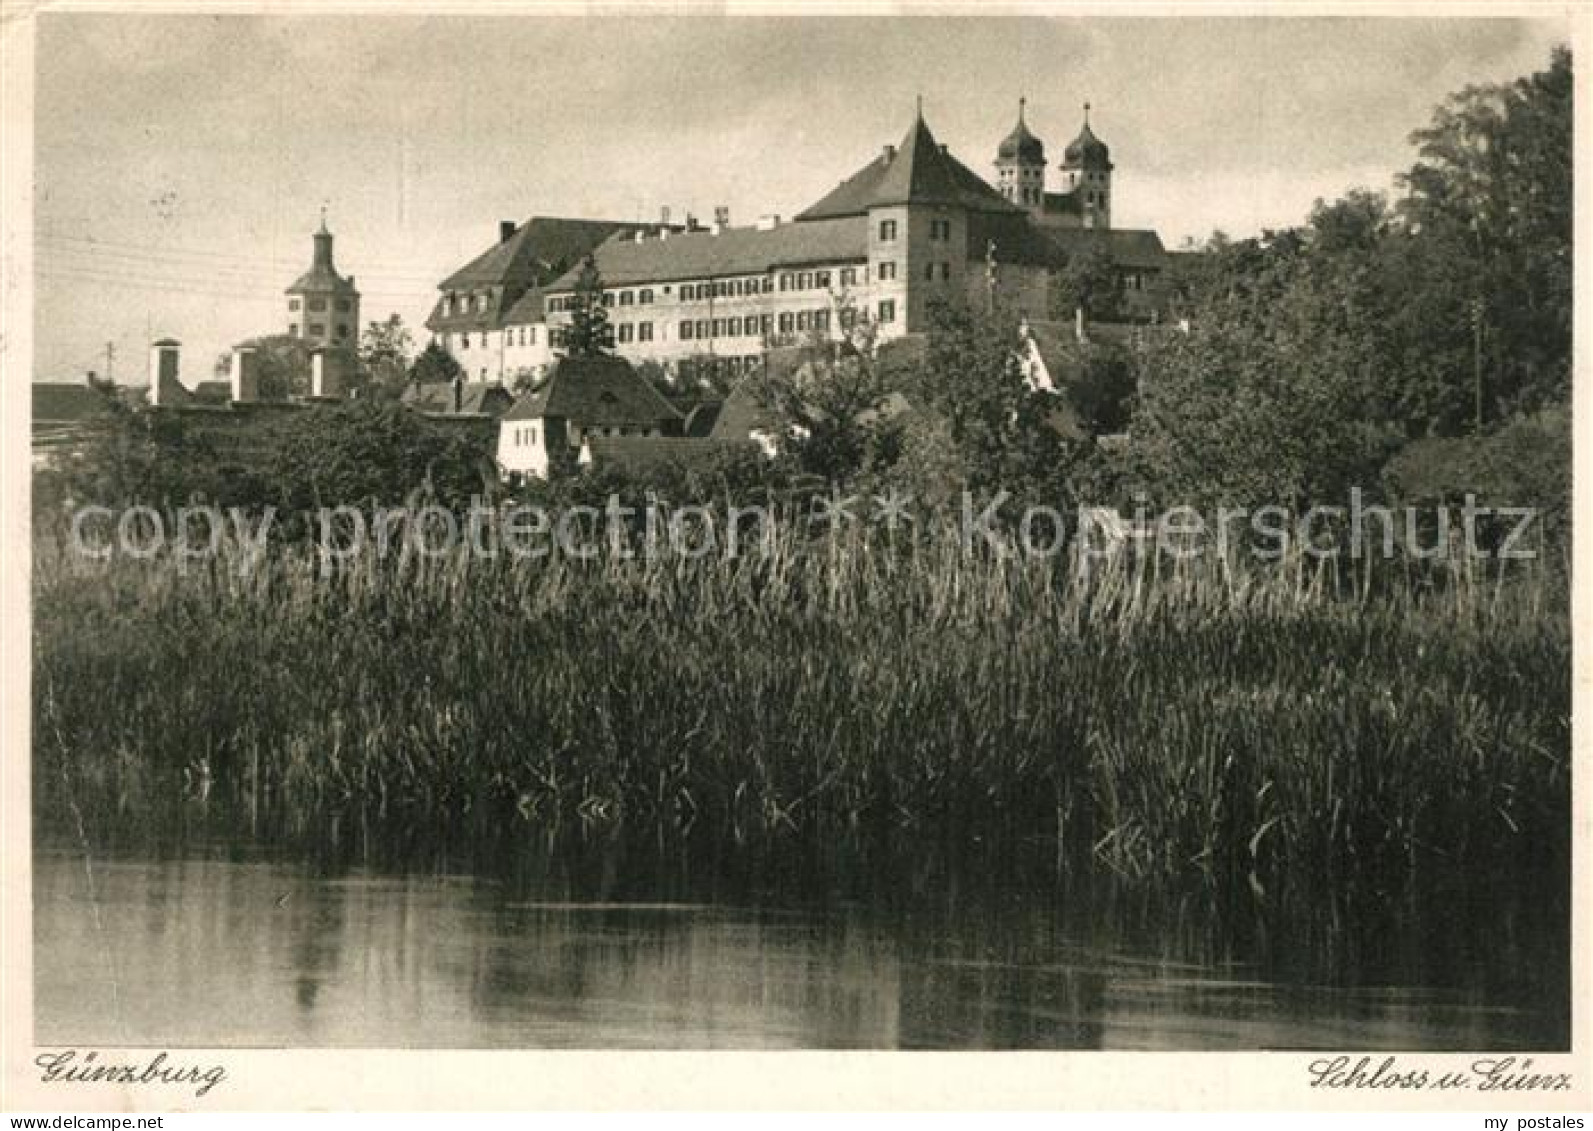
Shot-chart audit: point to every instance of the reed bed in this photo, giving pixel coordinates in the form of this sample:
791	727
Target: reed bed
1267	727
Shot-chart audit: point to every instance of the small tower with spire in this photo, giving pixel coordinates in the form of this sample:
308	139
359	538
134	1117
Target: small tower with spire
323	306
1087	173
1020	165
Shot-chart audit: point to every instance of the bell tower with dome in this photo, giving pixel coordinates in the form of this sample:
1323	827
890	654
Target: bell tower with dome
1087	175
1020	166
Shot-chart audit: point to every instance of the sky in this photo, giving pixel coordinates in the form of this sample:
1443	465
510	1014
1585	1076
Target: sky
182	162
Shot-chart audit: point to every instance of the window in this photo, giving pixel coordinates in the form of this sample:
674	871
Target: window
786	322
293	304
887	231
626	298
481	302
821	278
344	305
929	271
483	339
342	330
293	330
533	431
821	320
766	323
644	331
316	330
804	281
608	298
532	334
750	325
940	229
785	281
626	331
644	297
801	321
317	304
887	270
887	310
685	331
945	271
718	327
848	276
702	327
448	304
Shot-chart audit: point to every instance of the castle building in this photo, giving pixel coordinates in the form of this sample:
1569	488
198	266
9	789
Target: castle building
323	306
909	227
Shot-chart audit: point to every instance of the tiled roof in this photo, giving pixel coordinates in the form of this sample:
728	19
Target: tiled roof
64	402
700	420
1129	247
540	247
645	453
919	171
476	398
595	390
744	413
734	251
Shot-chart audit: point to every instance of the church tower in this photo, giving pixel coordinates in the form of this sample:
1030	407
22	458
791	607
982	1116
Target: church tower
1020	166
1087	173
323	306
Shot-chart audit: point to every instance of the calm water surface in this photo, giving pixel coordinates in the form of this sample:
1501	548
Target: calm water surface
217	948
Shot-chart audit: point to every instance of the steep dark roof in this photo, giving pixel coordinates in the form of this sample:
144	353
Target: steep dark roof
321	279
63	402
744	413
646	453
595	390
1129	247
919	171
734	251
1070	203
541	247
476	398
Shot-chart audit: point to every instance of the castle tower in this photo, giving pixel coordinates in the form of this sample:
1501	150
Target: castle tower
1087	170
323	306
1020	166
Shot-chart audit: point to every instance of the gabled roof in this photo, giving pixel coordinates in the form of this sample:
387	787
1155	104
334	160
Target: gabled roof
476	398
1129	247
595	391
734	251
744	413
919	171
67	402
540	248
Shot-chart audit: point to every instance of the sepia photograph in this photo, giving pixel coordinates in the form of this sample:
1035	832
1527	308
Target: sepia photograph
922	532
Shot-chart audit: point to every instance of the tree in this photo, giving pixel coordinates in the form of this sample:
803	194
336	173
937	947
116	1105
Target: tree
435	366
385	352
282	366
1090	282
588	334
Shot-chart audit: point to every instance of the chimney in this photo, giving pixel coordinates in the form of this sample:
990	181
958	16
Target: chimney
691	222
245	379
889	153
165	390
1078	324
506	229
663	215
325	374
768	223
721	216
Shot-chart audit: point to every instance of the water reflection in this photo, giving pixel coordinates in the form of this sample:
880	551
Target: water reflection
211	951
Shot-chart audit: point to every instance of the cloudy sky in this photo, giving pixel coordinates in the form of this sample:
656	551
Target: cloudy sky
182	161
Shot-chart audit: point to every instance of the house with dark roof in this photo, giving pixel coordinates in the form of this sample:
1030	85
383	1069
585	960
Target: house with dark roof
487	399
489	314
581	399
